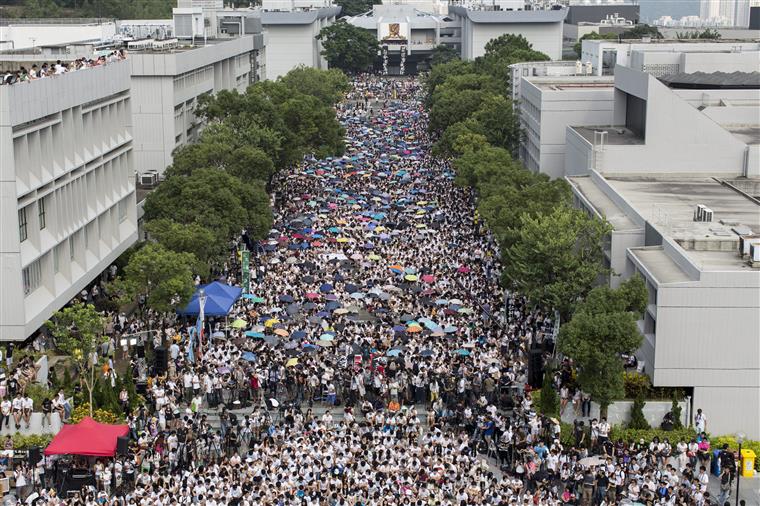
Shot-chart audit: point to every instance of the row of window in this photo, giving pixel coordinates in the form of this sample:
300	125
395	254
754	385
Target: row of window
23	222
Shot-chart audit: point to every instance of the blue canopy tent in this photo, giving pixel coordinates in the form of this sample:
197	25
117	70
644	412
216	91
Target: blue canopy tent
219	300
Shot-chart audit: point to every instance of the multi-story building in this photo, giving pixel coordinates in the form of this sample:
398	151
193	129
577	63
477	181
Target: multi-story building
677	175
166	85
734	12
67	206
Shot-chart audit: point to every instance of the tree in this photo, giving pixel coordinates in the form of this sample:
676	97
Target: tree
640	31
348	47
499	122
214	199
443	54
502	52
190	238
556	258
452	143
638	420
602	328
439	73
78	332
355	7
329	86
578	47
549	401
246	162
707	33
163	276
507	43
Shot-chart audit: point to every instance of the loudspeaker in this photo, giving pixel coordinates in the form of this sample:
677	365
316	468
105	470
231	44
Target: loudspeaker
122	446
162	359
141	387
535	368
140	351
34	455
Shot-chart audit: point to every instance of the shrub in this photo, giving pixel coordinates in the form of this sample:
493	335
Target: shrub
638	421
636	385
675	408
549	399
718	442
648	435
38	392
21	442
100	415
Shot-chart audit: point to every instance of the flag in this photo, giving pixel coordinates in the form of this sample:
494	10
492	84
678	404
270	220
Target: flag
190	345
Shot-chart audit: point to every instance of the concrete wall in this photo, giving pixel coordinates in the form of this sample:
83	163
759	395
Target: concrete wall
619	412
67	166
34	35
579	153
545	37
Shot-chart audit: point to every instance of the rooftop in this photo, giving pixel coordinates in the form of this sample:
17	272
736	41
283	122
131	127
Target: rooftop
616	135
660	265
713	80
573	83
492	16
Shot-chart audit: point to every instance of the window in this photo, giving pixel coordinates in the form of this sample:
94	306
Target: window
122	210
41	213
32	276
23	232
56	260
72	254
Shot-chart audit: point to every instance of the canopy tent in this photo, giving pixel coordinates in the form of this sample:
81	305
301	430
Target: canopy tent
88	437
219	300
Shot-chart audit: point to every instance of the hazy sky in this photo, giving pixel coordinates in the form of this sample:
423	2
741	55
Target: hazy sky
653	9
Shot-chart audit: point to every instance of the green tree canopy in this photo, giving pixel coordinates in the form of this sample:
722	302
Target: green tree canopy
439	73
348	47
163	276
190	238
499	122
602	328
329	86
355	7
246	162
78	331
642	30
443	54
215	200
578	46
556	258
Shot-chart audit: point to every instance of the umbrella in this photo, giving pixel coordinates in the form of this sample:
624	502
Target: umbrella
428	278
450	329
326	288
341	310
291	362
286	298
426	353
462	351
249	296
239	323
248	356
217	334
397	269
254	334
410	277
595	460
395	352
326	337
271	340
406	317
358	295
350	288
270	322
281	332
298	334
324	343
257	300
463	269
413	329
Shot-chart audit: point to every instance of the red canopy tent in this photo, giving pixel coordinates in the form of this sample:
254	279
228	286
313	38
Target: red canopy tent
88	437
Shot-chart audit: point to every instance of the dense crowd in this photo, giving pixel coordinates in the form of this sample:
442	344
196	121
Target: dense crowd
45	70
382	361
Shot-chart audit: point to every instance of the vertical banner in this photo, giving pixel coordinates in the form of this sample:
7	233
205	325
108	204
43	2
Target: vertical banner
245	262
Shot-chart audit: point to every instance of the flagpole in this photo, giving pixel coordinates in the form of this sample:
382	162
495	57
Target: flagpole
202	316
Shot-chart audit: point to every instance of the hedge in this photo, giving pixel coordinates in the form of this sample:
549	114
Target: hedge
733	445
648	435
22	442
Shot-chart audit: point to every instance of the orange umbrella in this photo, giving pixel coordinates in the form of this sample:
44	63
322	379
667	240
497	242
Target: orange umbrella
281	332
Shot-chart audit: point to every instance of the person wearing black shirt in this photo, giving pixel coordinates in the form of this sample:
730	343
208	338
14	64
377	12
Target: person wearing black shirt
602	482
47	409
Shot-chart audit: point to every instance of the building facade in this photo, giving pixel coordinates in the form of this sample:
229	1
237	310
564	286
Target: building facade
166	85
67	193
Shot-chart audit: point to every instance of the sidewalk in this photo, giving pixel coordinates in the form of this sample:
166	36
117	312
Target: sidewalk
749	490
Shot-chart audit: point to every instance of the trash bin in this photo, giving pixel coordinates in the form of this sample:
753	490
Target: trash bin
715	462
748	463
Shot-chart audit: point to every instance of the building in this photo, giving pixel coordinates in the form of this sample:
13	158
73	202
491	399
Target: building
291	38
166	85
480	23
677	175
732	12
407	34
663	57
548	105
700	327
67	186
23	33
686	124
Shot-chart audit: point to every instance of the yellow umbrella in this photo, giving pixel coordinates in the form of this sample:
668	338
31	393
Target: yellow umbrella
374	257
239	323
271	321
342	239
410	277
379	229
291	363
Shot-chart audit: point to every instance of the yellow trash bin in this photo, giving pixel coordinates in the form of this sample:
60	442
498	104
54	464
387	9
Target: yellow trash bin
748	463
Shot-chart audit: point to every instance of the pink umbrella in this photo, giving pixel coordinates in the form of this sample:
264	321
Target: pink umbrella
463	269
428	278
332	205
312	295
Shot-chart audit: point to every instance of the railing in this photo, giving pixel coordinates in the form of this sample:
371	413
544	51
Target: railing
54	21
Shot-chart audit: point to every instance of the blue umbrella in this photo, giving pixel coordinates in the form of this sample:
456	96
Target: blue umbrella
298	334
441	302
330	306
426	353
351	288
286	298
258	335
462	351
248	296
309	346
399	328
450	329
395	352
326	288
249	356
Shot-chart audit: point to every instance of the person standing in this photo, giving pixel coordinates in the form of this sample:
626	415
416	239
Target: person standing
700	421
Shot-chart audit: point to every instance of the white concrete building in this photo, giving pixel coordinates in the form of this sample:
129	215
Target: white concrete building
548	105
291	39
23	33
166	85
542	28
67	195
676	143
663	57
700	327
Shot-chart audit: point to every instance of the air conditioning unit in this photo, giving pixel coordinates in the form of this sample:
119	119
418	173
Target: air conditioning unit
707	215
754	253
149	178
699	212
745	241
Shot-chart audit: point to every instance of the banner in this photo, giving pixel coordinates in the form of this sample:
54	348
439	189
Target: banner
246	262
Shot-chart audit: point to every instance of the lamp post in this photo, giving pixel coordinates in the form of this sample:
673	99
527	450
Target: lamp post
740	440
201	306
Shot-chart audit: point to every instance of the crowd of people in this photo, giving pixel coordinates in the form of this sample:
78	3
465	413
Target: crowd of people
375	359
45	70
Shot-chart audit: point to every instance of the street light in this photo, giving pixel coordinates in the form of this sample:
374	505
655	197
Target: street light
739	439
201	316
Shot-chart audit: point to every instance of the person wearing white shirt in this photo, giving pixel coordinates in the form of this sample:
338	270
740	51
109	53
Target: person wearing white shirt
28	406
5	411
